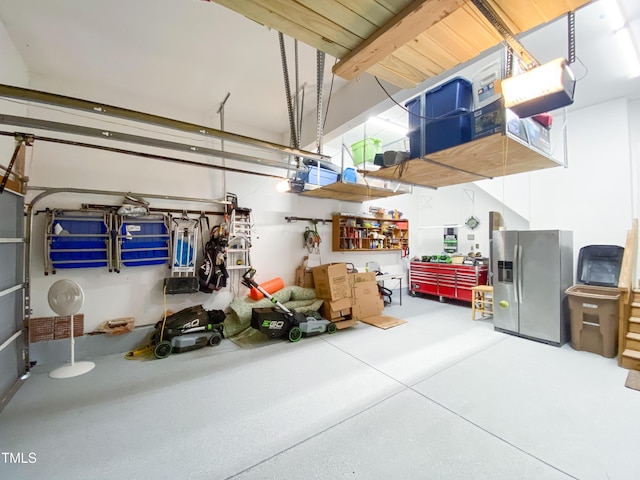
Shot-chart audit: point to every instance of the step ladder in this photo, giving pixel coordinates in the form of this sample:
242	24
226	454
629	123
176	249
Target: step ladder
239	230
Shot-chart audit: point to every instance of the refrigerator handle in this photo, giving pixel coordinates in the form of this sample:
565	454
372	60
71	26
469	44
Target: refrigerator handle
520	275
516	272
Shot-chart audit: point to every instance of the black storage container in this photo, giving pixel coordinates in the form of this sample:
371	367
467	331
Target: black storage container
599	265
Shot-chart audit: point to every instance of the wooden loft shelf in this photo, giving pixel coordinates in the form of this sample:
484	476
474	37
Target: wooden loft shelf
494	156
351	192
401	41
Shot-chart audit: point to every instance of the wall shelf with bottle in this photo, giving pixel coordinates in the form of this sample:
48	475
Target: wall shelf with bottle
355	233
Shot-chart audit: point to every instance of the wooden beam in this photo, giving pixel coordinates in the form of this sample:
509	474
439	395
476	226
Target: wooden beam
625	280
402	28
625	285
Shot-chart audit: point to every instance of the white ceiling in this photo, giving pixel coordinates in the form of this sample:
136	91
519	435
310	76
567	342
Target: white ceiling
188	54
185	54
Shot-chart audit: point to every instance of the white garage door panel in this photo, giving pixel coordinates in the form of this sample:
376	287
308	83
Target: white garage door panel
11	298
11	215
10	315
11	255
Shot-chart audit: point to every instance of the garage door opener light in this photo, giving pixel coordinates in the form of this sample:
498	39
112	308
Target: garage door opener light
541	89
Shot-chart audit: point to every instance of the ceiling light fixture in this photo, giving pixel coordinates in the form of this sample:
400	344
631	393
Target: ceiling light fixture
623	36
541	89
283	186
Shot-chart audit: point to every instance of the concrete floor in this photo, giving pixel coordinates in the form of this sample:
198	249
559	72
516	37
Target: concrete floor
440	397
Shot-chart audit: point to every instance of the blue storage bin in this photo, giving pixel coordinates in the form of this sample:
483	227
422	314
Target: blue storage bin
447	132
349	175
83	244
144	243
321	176
440	134
450	98
415	144
415	115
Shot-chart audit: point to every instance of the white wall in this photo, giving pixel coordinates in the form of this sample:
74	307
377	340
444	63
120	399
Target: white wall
634	126
12	72
593	196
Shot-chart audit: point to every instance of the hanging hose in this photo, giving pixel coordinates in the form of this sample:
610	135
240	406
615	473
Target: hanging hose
320	66
287	88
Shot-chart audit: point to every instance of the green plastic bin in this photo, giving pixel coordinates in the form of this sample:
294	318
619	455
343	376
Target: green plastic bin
365	150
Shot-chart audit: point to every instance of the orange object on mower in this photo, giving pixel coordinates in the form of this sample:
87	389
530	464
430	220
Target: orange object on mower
270	286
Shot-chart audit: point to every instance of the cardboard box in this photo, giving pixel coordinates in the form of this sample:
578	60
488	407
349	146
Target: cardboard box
539	136
358	277
383	321
365	290
368	308
304	278
334	309
488	120
331	281
345	324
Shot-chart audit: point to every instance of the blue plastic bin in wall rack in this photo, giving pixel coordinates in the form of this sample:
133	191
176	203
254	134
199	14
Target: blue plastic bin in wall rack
77	240
143	241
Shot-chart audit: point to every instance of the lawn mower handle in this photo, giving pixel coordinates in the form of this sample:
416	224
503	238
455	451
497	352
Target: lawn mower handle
247	278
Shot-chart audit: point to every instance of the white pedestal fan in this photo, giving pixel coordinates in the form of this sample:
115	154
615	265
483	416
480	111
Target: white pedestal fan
66	298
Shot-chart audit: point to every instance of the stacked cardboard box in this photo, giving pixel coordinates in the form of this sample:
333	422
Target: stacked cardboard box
365	299
332	285
304	274
348	297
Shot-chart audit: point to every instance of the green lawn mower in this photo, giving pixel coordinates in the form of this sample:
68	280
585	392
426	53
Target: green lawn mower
189	329
279	321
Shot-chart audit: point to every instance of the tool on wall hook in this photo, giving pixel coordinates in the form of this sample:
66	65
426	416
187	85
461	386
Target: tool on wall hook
312	238
18	155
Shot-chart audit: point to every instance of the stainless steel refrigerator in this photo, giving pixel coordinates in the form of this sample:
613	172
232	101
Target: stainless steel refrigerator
531	271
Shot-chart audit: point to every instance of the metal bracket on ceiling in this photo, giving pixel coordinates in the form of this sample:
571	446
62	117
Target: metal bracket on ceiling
527	59
21	140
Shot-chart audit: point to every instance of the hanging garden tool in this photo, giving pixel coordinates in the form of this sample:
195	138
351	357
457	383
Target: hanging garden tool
312	239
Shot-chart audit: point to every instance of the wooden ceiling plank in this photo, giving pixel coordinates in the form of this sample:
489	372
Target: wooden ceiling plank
477	37
424	64
438	55
522	15
410	72
281	22
482	26
452	41
373	11
391	76
301	16
342	16
402	28
394	6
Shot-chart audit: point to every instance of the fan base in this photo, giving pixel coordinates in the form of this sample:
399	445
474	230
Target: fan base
72	370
